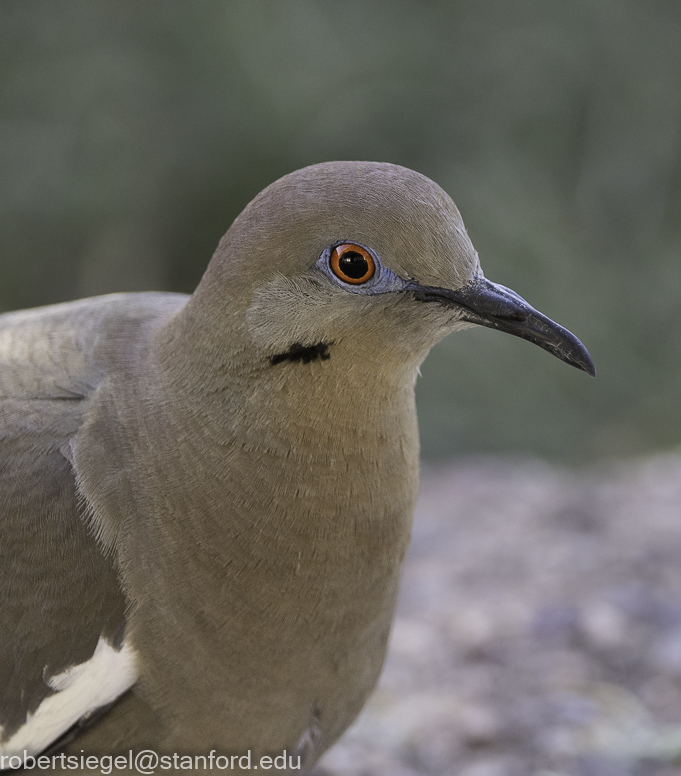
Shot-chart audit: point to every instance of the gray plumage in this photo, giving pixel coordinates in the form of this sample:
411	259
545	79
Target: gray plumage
225	483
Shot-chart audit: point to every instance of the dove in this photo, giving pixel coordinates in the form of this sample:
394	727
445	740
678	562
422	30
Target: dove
205	500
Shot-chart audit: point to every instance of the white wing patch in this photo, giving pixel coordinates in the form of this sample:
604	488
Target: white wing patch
79	690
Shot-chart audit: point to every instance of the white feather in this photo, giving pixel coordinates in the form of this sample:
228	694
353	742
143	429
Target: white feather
79	690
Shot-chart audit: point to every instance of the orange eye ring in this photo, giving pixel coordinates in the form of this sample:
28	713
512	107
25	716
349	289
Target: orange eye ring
352	264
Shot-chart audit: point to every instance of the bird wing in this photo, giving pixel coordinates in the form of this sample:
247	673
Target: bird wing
62	650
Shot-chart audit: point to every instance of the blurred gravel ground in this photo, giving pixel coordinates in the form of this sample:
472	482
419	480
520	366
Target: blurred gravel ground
538	631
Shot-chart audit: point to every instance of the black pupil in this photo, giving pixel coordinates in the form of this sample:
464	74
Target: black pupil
353	264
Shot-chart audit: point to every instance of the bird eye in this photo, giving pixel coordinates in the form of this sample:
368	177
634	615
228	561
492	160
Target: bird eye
352	264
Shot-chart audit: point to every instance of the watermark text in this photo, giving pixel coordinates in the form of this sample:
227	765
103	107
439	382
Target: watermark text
148	762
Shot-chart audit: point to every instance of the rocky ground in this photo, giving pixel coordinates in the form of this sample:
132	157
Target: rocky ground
538	631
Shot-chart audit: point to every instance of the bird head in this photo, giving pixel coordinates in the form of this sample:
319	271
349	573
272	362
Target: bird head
367	257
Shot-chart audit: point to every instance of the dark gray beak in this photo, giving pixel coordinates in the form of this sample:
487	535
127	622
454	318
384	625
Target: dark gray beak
497	307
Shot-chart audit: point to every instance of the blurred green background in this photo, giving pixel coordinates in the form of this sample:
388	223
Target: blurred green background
132	133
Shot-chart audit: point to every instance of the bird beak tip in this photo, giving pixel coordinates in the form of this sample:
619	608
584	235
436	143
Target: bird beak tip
589	368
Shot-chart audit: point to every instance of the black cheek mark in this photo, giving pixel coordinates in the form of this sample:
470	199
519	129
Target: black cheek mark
303	353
